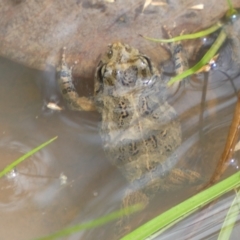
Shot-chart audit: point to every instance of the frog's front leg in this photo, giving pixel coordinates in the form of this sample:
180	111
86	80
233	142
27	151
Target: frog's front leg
179	54
68	90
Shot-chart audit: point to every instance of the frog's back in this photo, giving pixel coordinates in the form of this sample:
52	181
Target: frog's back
139	128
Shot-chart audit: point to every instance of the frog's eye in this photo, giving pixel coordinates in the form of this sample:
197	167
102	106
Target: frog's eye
110	54
146	59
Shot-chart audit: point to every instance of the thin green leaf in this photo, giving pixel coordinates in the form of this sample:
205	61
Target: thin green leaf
184	209
19	160
231	11
205	59
230	219
230	6
188	36
95	223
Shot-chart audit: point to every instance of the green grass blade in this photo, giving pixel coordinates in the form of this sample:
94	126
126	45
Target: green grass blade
231	11
205	59
19	160
230	6
188	36
230	219
95	223
184	209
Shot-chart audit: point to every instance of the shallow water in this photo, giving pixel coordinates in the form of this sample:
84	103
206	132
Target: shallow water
35	202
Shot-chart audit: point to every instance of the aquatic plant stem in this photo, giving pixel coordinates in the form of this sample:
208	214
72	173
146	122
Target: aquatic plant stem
229	146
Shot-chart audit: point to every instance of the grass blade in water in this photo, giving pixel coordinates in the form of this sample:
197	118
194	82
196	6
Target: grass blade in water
19	160
230	219
203	33
184	209
95	223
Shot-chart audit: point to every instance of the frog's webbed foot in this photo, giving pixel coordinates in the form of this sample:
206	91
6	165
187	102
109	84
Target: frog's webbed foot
131	198
68	90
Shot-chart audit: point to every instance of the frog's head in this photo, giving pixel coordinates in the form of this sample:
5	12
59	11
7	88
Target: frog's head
123	69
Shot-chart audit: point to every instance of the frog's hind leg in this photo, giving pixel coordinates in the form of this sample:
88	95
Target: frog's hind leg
68	90
178	177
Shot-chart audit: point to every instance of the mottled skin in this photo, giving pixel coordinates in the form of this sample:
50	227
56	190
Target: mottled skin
139	128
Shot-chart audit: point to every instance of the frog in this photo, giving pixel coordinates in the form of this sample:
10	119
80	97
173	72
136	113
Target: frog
140	130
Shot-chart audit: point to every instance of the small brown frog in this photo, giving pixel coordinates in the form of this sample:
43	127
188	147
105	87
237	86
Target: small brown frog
139	129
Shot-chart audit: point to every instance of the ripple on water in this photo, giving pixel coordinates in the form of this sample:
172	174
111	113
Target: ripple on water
28	178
